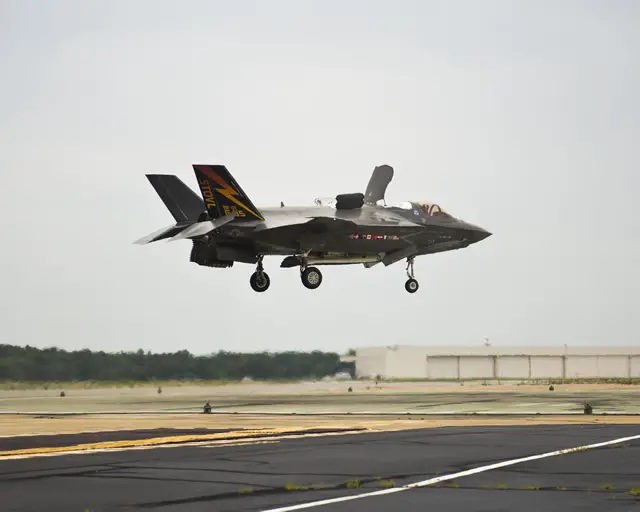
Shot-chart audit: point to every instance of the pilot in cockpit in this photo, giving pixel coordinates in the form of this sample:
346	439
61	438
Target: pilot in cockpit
431	210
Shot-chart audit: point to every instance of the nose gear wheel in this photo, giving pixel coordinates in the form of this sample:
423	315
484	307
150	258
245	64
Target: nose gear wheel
412	284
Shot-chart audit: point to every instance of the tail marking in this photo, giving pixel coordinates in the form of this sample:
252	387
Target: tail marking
225	190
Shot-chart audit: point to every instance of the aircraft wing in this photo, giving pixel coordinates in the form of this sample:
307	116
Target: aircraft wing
319	225
328	219
316	225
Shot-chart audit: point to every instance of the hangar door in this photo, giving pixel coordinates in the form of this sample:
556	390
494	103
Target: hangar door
442	367
546	367
476	367
581	367
513	367
613	366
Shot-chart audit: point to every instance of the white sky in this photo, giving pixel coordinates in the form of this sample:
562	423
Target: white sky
521	117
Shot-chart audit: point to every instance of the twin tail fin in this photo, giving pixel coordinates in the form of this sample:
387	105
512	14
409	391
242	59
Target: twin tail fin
223	195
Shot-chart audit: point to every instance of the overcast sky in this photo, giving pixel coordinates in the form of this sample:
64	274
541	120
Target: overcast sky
518	116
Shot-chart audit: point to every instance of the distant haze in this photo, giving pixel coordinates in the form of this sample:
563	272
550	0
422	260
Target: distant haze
521	117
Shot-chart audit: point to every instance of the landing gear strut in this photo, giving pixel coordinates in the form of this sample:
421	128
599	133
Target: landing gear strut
411	285
259	280
311	277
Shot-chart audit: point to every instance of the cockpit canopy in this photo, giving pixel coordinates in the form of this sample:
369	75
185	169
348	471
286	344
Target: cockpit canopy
424	209
421	209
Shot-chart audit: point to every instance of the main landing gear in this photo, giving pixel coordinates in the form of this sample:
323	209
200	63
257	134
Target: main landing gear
260	279
311	277
411	285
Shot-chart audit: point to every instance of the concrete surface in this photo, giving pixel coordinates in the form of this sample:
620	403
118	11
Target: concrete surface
333	397
14	426
266	475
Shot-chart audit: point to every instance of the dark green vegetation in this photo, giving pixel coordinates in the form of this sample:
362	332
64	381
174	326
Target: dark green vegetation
52	364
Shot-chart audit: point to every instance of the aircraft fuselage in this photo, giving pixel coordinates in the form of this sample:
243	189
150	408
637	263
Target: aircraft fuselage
226	227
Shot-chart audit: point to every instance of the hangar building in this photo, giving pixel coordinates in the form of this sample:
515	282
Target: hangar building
492	362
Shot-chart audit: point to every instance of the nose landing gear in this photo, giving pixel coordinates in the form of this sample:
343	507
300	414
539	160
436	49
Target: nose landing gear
311	277
412	284
259	280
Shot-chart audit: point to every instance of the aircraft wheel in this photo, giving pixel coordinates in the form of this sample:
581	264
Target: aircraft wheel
411	285
259	281
311	277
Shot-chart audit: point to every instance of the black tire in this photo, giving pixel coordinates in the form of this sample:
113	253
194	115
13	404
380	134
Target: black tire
411	286
260	283
311	278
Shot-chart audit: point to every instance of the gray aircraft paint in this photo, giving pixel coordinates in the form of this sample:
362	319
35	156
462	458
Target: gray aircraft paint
357	230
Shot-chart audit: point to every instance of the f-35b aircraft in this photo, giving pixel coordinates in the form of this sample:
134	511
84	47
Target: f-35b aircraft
225	227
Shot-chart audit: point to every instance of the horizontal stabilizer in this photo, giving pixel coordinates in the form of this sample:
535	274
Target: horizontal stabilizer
162	234
202	228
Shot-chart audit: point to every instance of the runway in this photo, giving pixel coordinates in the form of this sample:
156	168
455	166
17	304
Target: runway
325	398
279	473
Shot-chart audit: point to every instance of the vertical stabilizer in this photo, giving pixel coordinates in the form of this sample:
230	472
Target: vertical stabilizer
183	203
223	195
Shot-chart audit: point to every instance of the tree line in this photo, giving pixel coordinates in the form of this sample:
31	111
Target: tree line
53	364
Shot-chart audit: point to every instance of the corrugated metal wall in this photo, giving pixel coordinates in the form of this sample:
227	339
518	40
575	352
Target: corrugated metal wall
546	367
442	367
513	367
423	362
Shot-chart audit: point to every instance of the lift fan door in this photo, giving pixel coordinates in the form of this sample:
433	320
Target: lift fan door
377	187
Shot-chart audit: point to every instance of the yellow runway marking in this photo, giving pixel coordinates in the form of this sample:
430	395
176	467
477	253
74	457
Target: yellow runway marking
223	444
165	442
274	433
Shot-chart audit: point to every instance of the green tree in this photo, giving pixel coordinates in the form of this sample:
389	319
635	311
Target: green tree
29	363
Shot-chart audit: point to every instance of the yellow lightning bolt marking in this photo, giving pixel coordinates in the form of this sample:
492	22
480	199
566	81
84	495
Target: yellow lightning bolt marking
228	191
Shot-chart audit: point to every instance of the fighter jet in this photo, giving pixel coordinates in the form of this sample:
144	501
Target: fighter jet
225	227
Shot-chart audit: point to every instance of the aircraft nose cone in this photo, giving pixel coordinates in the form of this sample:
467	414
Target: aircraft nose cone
483	233
480	234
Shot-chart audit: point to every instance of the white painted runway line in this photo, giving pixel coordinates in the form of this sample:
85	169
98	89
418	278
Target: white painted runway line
452	476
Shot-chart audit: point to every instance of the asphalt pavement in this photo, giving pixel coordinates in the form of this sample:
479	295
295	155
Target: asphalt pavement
61	440
265	475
